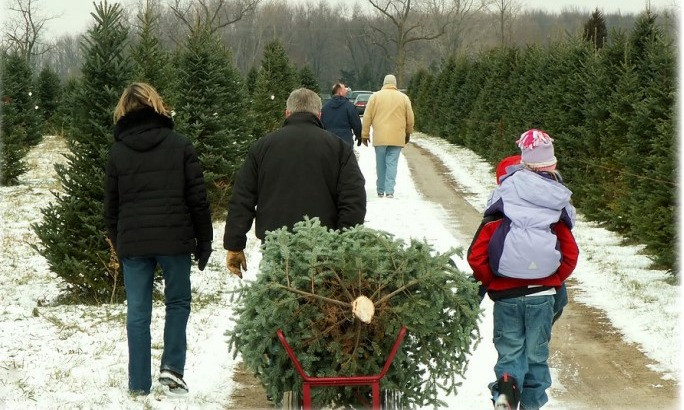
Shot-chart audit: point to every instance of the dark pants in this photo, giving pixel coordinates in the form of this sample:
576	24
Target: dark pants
139	281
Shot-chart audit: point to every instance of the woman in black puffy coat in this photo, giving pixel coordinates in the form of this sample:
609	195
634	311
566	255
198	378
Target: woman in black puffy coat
157	213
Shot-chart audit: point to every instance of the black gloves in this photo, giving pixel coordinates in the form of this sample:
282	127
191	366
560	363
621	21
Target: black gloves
408	138
358	142
202	253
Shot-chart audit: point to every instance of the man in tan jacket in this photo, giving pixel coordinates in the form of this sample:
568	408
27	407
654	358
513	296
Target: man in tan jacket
390	114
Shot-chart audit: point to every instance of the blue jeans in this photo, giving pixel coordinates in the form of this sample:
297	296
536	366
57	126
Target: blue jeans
139	281
386	160
522	331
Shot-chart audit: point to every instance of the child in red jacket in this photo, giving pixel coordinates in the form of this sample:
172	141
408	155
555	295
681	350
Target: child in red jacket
523	305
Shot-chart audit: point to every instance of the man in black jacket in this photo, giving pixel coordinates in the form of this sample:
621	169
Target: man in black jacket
299	170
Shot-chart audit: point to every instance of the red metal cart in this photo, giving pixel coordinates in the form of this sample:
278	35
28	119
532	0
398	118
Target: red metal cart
373	380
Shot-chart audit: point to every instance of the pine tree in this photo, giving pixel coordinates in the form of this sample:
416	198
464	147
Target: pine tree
424	109
21	123
276	80
565	115
465	100
72	233
62	120
595	31
649	156
409	285
602	132
307	79
48	90
442	99
152	61
211	111
252	76
486	133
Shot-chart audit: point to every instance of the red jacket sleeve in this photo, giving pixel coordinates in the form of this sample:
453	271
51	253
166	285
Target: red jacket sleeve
478	253
569	251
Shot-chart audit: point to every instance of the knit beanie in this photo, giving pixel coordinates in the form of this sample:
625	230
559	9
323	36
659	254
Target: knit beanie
389	79
537	149
505	163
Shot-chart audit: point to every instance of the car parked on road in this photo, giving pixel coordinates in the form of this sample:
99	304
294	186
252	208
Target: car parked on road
351	95
361	101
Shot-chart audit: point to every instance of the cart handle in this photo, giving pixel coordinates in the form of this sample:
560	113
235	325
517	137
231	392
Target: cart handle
307	378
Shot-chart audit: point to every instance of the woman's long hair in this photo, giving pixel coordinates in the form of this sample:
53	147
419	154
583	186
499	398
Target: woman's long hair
137	96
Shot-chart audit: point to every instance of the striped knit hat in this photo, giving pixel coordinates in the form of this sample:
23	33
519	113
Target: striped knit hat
537	149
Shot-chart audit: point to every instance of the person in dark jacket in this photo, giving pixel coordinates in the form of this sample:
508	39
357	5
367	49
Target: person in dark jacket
299	170
157	213
340	117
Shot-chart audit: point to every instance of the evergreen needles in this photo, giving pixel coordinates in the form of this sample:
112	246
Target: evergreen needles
307	281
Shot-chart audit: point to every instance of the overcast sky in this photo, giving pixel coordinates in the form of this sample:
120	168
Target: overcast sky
74	15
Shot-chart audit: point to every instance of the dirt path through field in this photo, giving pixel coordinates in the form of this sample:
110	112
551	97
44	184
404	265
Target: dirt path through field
596	368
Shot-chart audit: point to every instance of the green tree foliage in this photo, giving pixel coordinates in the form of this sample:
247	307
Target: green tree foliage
422	101
649	156
48	92
410	285
211	111
21	124
307	79
252	75
489	114
595	31
62	118
153	64
607	80
276	80
442	98
72	233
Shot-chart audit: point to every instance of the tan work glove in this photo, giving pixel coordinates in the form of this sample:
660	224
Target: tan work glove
234	261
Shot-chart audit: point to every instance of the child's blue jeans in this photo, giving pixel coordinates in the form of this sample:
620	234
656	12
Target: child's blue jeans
522	331
139	281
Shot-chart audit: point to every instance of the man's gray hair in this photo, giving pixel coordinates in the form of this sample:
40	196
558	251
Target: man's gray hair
303	100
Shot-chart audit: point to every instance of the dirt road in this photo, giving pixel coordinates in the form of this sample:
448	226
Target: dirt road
597	369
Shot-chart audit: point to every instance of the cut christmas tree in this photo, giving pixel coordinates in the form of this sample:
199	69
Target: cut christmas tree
340	298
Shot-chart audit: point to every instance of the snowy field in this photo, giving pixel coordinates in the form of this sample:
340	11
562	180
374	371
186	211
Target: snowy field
63	357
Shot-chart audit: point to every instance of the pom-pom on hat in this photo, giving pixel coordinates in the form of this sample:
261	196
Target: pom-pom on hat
537	149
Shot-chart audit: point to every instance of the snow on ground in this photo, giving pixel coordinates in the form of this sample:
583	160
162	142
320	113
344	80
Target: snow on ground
76	356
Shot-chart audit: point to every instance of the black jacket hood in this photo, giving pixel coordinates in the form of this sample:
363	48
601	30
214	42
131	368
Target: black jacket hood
143	129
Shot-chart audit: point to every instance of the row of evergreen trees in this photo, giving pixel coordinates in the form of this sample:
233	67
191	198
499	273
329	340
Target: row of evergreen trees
610	110
213	106
29	109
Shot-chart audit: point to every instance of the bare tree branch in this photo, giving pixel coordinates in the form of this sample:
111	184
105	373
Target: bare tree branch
25	28
213	15
408	21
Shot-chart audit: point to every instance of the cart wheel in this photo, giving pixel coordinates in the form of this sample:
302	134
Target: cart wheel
291	400
390	400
